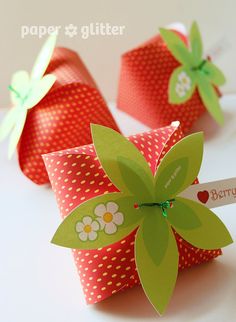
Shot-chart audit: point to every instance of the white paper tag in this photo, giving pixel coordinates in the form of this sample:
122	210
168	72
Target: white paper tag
212	194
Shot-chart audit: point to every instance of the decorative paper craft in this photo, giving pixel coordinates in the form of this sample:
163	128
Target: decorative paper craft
110	195
26	92
44	118
168	78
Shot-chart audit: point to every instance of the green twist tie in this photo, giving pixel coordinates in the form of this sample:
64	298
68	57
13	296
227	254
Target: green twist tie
200	66
13	90
163	205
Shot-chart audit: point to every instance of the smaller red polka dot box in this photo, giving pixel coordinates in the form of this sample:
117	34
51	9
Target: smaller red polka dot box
76	176
62	118
147	73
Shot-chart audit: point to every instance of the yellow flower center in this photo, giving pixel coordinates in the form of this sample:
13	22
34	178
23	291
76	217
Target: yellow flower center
107	217
87	229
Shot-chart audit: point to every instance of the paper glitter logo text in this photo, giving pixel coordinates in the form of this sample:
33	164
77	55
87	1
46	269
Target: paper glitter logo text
84	31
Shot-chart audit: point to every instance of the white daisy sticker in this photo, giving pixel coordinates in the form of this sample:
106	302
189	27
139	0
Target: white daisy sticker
180	91
87	229
185	80
109	217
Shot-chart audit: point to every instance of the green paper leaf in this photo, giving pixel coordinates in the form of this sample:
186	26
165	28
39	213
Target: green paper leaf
155	225
179	167
21	84
104	205
136	180
196	43
8	122
181	85
157	269
210	98
16	133
109	146
177	47
214	74
26	92
44	58
182	217
210	234
39	90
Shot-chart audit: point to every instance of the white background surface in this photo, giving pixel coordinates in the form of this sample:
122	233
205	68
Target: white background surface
39	282
141	19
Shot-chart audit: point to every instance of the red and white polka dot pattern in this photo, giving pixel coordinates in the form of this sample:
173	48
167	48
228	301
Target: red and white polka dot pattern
76	176
62	119
143	87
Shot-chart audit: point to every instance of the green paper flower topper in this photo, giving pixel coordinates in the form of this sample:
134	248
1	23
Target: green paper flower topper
195	72
149	203
26	92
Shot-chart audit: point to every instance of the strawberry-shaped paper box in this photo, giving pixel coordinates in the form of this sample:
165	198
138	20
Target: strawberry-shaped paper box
168	78
52	109
105	192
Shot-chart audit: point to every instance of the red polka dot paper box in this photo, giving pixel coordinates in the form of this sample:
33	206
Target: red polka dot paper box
76	176
146	77
62	118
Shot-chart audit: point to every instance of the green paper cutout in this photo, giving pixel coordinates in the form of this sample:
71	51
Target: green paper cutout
67	236
158	281
26	92
179	167
177	47
210	98
156	225
196	43
134	177
196	70
110	147
214	74
211	234
156	250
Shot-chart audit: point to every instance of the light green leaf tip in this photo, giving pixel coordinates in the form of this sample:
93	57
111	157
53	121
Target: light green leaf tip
157	278
198	225
111	146
124	219
179	167
196	43
177	47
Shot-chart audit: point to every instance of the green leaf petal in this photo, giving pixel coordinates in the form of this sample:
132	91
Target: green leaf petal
44	58
210	234
156	257
155	227
179	168
16	133
20	84
67	236
214	74
135	180
196	43
182	217
39	89
9	121
110	145
181	85
209	97
177	47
